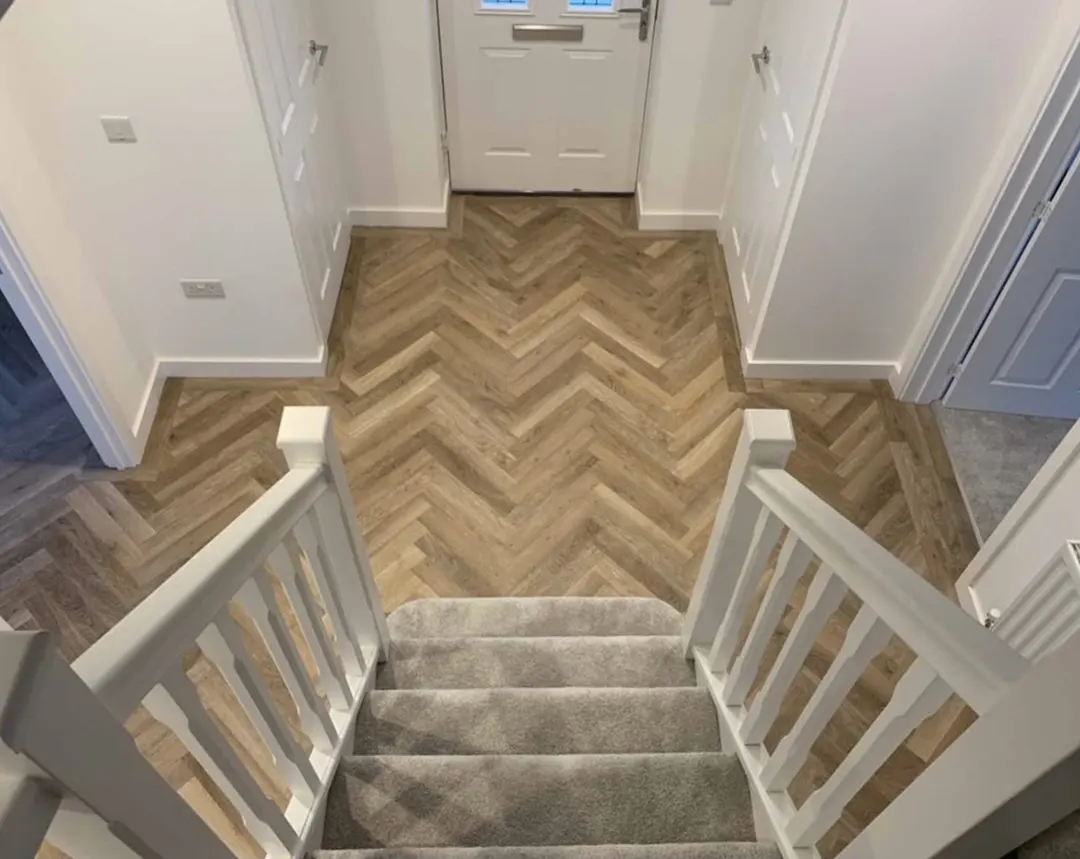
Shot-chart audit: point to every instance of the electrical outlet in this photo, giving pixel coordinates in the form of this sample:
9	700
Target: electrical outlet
203	288
118	129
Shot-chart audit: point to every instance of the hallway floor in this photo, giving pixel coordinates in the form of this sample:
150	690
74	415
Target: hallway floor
538	401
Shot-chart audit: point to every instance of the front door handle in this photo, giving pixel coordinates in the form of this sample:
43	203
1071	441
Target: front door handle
643	10
321	50
761	58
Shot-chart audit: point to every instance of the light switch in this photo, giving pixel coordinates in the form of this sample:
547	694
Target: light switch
118	129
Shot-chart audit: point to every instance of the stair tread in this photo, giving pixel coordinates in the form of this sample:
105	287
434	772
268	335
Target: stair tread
715	850
537	721
512	800
533	616
589	661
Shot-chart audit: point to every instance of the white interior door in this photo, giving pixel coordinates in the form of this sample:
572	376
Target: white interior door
545	95
785	74
289	57
1026	358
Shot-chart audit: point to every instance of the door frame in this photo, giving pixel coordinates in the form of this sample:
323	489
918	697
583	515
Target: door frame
100	417
1037	141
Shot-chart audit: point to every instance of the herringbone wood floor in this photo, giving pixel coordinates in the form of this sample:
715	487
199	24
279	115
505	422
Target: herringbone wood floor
539	400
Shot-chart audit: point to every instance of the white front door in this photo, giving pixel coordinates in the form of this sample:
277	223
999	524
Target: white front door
785	74
545	95
289	57
1026	358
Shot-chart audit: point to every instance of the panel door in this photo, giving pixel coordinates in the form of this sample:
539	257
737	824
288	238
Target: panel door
792	49
289	57
1025	359
557	109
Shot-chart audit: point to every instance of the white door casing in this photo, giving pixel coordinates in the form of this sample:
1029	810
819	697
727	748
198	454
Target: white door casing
560	116
288	58
1026	358
778	110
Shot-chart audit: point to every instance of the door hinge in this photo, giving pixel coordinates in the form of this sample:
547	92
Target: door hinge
954	369
1043	210
444	139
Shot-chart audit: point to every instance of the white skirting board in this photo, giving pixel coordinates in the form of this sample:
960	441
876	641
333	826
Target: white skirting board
669	221
416	218
225	368
755	368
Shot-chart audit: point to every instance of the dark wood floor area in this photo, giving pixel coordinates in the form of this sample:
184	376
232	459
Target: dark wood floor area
540	400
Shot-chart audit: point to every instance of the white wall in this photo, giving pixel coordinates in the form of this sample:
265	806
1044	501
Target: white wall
387	84
196	197
701	61
922	96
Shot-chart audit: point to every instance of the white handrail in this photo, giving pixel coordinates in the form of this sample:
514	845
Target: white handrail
27	808
126	662
110	802
976	664
955	653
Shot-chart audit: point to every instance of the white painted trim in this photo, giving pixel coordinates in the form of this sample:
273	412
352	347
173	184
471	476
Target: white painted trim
148	408
240	368
854	370
1027	505
677	221
311	828
997	220
418	218
661	221
99	415
772	811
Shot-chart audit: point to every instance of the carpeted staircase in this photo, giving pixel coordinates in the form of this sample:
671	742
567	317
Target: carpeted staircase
542	729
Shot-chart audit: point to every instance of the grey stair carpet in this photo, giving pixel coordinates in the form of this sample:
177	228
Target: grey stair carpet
540	616
539	729
537	721
486	663
723	850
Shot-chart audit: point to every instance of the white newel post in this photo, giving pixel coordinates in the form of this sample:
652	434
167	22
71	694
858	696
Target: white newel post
306	437
766	441
115	805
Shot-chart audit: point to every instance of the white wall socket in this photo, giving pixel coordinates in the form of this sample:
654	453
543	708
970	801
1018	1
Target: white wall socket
203	288
118	129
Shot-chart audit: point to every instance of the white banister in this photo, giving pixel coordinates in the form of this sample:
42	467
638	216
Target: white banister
345	632
954	653
51	722
223	645
975	663
822	599
918	695
762	541
175	703
257	598
27	808
126	662
795	557
306	437
865	639
286	565
766	440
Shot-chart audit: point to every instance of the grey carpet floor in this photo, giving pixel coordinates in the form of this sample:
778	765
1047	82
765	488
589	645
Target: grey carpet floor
539	729
995	457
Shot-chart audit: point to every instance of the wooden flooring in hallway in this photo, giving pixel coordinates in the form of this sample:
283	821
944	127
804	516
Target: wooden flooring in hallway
537	401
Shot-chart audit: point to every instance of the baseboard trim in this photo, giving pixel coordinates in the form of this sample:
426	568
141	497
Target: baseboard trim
421	218
673	222
839	370
148	408
232	368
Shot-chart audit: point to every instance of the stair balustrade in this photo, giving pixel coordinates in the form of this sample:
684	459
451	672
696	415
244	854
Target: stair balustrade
71	774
